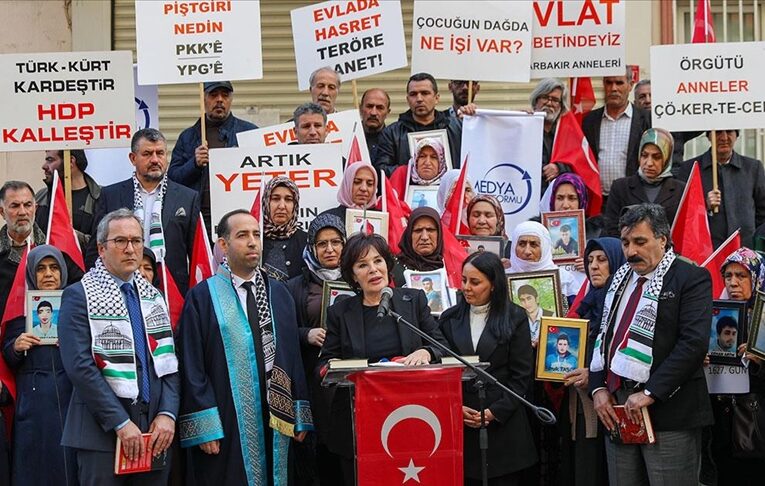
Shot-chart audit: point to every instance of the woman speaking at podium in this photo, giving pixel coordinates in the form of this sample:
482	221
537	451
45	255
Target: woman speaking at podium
487	324
355	331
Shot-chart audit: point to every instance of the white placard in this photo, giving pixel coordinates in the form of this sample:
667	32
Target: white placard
708	86
66	100
235	175
193	42
727	379
505	160
356	38
341	128
578	38
478	40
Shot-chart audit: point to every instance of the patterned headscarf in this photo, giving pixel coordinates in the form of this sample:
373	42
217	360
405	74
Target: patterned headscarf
409	257
446	188
531	228
664	141
280	231
345	192
579	187
322	221
750	260
497	209
36	255
436	145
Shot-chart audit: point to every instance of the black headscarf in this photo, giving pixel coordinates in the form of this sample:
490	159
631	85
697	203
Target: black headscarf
410	258
591	306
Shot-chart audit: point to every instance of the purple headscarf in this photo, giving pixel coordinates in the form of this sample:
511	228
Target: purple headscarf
579	187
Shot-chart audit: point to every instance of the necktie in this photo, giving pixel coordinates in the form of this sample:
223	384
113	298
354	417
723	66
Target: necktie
139	337
252	317
612	379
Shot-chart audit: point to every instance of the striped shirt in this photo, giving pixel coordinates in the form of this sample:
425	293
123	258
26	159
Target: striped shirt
614	141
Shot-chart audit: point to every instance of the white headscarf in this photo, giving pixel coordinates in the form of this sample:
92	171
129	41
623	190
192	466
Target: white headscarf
446	187
531	228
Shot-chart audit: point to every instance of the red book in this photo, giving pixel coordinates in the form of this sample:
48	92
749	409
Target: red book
627	432
145	463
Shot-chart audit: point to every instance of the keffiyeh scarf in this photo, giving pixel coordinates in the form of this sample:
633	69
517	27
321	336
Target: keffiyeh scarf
156	234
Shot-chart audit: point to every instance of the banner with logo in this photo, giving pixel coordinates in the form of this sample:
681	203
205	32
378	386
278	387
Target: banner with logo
235	175
409	427
504	151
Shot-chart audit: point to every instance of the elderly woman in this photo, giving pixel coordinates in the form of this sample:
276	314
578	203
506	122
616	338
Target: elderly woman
487	324
425	168
652	184
358	190
485	216
354	331
283	240
42	387
446	188
422	245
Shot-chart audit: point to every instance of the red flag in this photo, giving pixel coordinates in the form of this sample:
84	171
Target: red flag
14	307
690	230
715	261
572	311
582	97
409	427
703	24
60	230
398	213
354	154
173	297
454	256
453	206
200	266
570	147
257	208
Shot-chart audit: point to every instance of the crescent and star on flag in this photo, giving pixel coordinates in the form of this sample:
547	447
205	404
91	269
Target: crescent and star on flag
400	414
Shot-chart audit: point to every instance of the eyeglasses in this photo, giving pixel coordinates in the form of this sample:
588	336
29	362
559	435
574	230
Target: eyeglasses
122	243
551	99
323	244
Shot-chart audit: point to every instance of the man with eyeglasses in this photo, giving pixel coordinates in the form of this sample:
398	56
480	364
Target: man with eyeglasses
551	97
168	211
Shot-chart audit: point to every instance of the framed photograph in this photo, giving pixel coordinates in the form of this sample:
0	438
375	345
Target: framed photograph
561	349
755	340
356	219
566	233
422	196
492	244
539	294
333	291
442	137
727	332
434	285
42	308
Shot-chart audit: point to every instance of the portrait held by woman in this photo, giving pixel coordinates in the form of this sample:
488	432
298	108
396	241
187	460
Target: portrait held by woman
283	240
425	168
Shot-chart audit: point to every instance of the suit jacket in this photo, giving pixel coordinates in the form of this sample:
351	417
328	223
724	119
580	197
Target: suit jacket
680	343
641	121
345	339
180	212
94	410
511	446
629	190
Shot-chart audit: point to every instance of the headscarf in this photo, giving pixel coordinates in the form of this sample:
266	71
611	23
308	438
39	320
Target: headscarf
497	209
446	188
579	187
664	141
345	192
322	221
279	231
531	228
436	145
36	255
153	260
591	306
750	260
409	257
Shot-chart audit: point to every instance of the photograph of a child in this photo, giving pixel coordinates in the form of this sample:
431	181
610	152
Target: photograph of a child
422	196
42	315
562	351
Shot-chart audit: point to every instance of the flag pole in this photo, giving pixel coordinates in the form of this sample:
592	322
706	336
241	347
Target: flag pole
470	91
67	182
355	94
714	166
202	127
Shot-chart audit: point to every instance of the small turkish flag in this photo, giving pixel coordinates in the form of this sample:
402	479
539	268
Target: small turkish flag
409	427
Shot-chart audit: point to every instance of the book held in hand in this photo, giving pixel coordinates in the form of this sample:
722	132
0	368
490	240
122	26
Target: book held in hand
627	432
145	463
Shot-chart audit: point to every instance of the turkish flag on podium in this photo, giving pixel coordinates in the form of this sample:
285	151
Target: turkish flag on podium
409	427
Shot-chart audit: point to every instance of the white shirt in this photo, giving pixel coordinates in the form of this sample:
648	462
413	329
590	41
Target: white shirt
614	142
479	314
241	292
149	198
534	325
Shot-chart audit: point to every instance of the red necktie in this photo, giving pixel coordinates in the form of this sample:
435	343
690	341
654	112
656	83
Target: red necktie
612	379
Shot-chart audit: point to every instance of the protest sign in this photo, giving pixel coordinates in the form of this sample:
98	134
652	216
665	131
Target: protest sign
197	41
66	100
356	38
341	129
578	38
708	86
478	40
505	160
235	175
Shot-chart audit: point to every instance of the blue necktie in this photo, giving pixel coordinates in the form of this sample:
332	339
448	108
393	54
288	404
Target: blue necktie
139	338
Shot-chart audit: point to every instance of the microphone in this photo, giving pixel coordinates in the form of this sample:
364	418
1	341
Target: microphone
382	310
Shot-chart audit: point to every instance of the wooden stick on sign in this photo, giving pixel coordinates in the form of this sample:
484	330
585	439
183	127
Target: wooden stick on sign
202	113
470	91
355	94
67	182
714	166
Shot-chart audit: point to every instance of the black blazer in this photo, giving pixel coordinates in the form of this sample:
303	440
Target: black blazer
680	343
511	446
629	190
345	340
641	121
180	212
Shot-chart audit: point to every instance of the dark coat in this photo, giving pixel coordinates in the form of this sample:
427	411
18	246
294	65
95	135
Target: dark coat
393	149
742	184
293	252
85	212
641	121
680	343
629	190
345	340
511	446
180	212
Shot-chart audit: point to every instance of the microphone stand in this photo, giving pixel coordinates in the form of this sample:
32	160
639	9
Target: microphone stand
544	415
